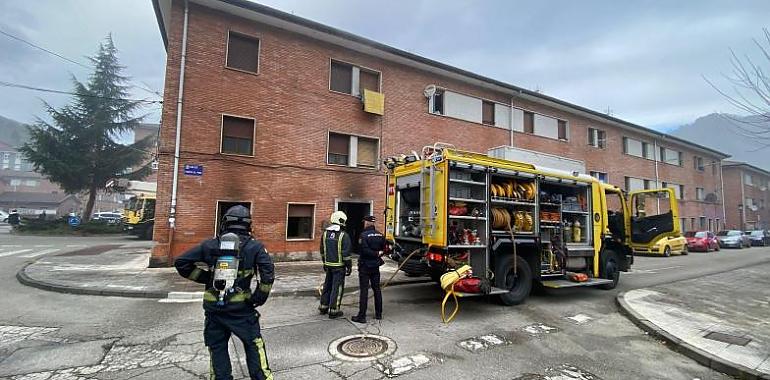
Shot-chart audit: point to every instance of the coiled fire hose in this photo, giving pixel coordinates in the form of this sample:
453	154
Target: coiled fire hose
448	281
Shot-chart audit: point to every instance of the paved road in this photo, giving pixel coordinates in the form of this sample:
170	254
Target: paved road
572	334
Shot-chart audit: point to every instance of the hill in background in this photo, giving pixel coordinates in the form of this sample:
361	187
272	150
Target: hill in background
12	132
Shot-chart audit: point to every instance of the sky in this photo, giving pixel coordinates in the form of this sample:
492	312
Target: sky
644	61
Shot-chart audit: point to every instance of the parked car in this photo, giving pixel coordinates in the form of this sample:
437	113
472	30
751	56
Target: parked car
733	239
759	237
701	241
107	217
667	246
4	216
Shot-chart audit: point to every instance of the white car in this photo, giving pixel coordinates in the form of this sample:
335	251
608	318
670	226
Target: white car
108	217
3	216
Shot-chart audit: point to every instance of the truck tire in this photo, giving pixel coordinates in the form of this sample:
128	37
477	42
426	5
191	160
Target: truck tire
519	286
610	270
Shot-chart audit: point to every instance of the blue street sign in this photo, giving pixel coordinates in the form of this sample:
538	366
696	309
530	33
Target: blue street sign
73	221
196	170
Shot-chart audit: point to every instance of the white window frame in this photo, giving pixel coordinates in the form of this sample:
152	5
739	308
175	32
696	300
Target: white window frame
700	194
222	134
643	145
355	74
286	225
594	133
353	150
259	51
606	176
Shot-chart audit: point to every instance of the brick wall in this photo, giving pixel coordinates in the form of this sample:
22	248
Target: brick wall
295	110
738	192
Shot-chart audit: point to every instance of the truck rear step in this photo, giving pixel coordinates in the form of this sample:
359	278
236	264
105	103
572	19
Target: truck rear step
558	284
492	292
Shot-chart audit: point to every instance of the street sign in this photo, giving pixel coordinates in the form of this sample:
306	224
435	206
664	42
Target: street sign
196	170
73	221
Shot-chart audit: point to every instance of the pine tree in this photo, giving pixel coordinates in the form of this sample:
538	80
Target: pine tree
79	150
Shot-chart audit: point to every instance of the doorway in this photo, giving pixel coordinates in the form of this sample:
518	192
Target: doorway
356	211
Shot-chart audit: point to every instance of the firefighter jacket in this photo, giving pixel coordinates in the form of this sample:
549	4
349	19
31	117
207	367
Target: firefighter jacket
371	244
252	258
335	248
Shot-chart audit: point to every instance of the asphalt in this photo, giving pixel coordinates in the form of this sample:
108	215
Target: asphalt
721	321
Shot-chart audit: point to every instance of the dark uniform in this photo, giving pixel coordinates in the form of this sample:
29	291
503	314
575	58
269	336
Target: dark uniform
238	315
335	253
372	244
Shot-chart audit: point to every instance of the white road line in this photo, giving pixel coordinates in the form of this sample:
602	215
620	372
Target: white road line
75	246
41	253
14	252
43	246
10	246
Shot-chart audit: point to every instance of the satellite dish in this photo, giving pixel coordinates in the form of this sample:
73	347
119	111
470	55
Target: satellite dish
711	197
429	91
763	188
754	208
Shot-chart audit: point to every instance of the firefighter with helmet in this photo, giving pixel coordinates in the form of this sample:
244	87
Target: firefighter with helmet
335	253
231	309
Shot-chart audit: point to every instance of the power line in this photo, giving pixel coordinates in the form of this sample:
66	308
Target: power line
43	49
16	85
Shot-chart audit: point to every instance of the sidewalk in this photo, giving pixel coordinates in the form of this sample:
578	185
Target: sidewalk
721	321
123	272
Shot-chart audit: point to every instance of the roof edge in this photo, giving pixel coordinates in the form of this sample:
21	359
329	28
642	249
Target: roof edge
161	24
736	164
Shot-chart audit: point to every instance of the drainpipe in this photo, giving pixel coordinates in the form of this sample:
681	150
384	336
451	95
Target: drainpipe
180	97
722	183
510	120
655	158
743	201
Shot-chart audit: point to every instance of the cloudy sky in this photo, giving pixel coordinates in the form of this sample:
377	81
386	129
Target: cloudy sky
643	60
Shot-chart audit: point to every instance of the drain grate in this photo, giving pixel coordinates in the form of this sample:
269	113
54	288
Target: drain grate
727	338
362	347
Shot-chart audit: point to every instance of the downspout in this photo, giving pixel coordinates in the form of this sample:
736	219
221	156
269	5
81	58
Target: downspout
722	183
743	201
656	158
177	141
510	120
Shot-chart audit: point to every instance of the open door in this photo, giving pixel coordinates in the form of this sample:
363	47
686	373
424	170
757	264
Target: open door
654	215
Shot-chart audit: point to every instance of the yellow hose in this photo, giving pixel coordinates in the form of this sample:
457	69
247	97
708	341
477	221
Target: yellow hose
448	281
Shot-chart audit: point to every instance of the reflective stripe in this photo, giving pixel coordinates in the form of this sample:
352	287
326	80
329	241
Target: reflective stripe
212	375
245	273
209	296
339	262
239	297
339	248
265	288
264	367
195	274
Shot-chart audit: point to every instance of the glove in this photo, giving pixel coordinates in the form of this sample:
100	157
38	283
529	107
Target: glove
260	294
348	267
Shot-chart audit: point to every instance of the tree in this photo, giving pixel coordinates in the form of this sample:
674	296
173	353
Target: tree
79	149
750	92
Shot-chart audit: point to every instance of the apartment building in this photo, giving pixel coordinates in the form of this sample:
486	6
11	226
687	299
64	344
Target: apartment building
292	118
747	202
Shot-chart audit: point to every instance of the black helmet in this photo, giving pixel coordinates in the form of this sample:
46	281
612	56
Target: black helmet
237	218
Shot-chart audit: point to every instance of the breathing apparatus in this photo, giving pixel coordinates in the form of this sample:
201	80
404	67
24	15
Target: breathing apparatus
226	268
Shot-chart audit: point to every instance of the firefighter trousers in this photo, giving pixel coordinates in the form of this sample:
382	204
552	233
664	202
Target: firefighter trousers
368	277
216	335
334	289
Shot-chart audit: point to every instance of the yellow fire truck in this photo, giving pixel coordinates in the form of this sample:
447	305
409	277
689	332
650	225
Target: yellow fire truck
516	224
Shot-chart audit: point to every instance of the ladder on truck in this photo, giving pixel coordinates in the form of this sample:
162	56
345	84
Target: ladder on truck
432	155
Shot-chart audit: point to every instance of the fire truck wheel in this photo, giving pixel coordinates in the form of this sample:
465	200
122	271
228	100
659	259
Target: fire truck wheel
610	270
518	284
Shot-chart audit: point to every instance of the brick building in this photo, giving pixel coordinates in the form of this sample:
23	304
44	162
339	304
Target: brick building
747	203
272	117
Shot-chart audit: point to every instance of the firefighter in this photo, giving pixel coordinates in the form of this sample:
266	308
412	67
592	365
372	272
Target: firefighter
13	218
234	310
335	253
372	246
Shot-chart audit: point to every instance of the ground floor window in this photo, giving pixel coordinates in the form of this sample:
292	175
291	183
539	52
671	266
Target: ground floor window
300	221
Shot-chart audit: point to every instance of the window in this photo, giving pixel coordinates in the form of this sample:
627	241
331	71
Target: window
637	148
352	80
237	135
702	222
222	207
529	122
762	204
635	184
597	138
562	126
353	151
339	146
488	112
747	179
299	221
30	183
670	156
698	163
437	102
602	177
646	151
713	167
700	194
242	52
6	160
15	182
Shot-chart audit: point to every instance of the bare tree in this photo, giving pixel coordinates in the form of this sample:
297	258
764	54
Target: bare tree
749	91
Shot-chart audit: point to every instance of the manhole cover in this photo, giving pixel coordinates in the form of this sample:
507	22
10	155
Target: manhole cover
362	347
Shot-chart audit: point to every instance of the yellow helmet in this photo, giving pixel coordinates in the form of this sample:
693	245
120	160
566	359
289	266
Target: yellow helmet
339	217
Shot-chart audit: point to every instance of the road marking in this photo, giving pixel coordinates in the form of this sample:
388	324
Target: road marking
9	246
14	252
580	319
653	270
43	246
41	253
75	246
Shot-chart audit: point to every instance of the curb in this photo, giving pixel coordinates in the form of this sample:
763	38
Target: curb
25	279
705	358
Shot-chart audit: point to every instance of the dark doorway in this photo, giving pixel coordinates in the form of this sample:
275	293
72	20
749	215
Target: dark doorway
222	207
356	211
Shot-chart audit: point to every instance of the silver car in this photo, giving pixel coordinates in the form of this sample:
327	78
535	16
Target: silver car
733	239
